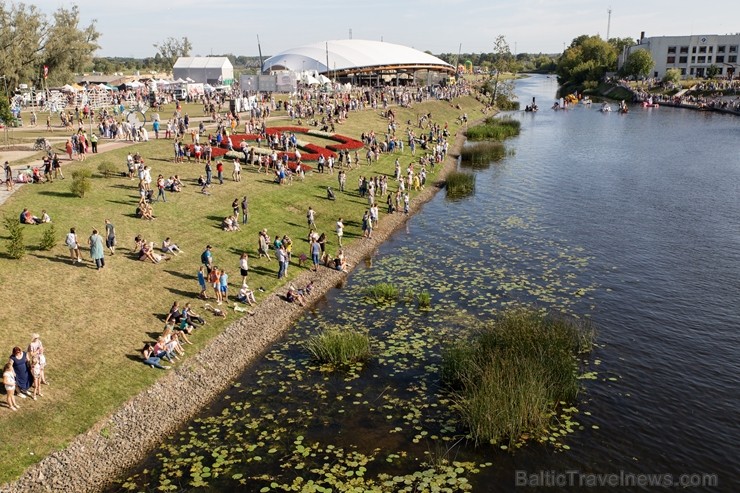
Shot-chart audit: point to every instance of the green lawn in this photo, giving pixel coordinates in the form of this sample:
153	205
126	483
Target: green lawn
93	323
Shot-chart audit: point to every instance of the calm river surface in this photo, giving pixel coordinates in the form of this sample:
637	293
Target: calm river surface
631	220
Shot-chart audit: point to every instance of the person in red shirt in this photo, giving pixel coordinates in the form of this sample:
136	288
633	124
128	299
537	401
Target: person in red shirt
220	171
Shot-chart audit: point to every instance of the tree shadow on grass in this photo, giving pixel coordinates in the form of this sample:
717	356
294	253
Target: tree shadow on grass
121	202
62	259
180	292
263	270
180	275
55	193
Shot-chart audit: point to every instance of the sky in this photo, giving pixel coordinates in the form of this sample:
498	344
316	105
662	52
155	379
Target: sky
130	28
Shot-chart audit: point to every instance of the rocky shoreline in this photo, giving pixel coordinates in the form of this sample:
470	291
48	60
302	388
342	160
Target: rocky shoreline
120	441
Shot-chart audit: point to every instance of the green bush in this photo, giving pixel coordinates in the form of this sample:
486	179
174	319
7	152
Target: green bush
382	292
107	169
339	347
81	182
49	238
16	248
460	184
512	373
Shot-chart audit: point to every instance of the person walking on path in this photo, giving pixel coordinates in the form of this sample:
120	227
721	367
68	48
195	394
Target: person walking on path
9	185
110	237
56	165
96	249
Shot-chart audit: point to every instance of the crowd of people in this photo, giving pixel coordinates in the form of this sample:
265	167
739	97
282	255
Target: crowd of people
181	322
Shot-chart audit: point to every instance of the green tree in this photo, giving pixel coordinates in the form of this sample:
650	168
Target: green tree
171	49
49	238
501	89
81	183
639	63
672	75
30	40
587	59
16	247
712	71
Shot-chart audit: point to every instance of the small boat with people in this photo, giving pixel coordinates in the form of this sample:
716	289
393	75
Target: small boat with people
605	108
650	104
531	108
623	107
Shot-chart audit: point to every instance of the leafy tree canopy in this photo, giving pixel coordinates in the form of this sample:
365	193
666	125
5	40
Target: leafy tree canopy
30	40
639	63
587	59
171	49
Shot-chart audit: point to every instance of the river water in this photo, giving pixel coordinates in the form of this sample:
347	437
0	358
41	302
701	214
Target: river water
631	221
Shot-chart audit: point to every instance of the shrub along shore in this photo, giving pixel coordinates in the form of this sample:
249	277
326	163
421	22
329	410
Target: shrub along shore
117	442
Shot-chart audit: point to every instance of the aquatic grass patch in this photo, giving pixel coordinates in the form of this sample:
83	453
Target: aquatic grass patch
382	292
481	155
494	129
339	347
460	184
509	377
424	299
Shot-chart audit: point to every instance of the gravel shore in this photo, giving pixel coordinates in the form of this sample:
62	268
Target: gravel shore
118	442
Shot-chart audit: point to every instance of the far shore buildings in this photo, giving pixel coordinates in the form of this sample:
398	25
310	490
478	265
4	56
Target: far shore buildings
692	55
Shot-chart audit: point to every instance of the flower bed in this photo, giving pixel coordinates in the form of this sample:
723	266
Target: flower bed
309	152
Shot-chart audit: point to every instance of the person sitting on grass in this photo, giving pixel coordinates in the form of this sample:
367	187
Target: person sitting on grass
293	296
183	329
147	253
169	247
160	350
27	218
147	354
144	210
246	295
339	262
204	186
192	317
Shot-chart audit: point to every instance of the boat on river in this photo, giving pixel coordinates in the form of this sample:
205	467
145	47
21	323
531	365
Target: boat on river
605	108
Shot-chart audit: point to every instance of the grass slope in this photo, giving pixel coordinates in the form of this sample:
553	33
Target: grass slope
93	323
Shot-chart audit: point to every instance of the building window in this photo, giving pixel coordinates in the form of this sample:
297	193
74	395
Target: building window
693	59
732	59
691	72
671	60
671	49
720	59
693	49
733	49
702	49
700	71
721	49
711	49
701	59
683	71
709	59
683	59
684	49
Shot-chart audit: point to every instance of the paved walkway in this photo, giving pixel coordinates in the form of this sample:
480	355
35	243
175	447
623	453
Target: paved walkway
104	145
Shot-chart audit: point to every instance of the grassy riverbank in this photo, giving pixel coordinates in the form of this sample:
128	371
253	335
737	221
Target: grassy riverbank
92	323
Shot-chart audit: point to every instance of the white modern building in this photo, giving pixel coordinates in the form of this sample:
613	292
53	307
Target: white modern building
692	55
214	70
